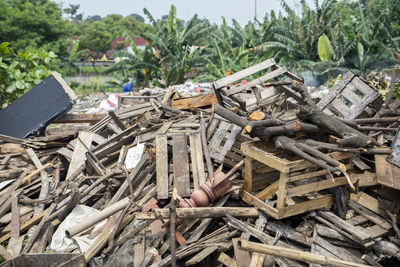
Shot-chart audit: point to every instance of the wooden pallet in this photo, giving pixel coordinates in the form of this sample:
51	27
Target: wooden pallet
294	181
349	97
187	163
228	94
222	136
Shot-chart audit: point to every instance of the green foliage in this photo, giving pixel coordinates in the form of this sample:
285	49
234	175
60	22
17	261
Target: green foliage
324	48
35	24
20	71
170	55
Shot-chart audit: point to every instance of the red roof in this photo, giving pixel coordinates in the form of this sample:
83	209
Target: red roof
137	40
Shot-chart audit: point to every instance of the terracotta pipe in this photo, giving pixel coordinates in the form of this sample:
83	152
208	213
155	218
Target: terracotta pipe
208	192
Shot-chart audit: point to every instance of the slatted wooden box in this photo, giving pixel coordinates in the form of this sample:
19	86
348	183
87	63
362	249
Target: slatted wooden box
293	180
350	97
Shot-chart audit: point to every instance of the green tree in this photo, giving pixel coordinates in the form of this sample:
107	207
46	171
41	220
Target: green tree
174	44
72	11
137	17
96	38
33	23
20	71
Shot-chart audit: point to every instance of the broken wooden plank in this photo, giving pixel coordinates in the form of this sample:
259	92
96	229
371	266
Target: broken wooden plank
339	222
243	73
79	155
201	212
181	165
162	166
196	154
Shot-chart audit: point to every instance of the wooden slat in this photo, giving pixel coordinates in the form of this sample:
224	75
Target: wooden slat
373	217
78	157
316	186
250	199
251	150
268	191
367	201
309	205
162	166
257	81
243	73
229	142
226	260
336	89
350	95
218	138
242	257
339	252
211	127
339	222
181	165
196	154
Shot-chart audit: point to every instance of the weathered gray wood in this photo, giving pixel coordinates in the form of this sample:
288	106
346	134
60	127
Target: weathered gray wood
229	142
257	81
211	127
196	155
375	218
79	156
243	73
336	90
139	250
288	232
341	253
218	138
162	167
342	224
242	257
181	165
201	255
15	243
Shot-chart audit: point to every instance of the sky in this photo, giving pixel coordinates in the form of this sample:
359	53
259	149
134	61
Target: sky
241	10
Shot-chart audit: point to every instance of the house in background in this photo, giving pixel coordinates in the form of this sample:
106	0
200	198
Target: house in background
120	44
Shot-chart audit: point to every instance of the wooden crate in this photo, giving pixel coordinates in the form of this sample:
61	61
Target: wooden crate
294	181
229	94
349	98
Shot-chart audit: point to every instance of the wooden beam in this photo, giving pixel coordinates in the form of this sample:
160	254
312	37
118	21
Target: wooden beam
207	212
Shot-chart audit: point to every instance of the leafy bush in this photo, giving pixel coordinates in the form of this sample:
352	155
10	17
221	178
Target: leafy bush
20	71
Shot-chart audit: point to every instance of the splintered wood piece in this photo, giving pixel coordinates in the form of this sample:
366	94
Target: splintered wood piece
226	260
243	73
386	173
162	166
196	154
217	139
333	251
242	257
117	121
139	250
79	155
375	218
295	254
347	227
257	81
229	141
269	191
368	201
201	255
181	165
15	244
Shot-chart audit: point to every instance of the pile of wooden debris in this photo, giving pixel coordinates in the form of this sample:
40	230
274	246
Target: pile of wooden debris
255	174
